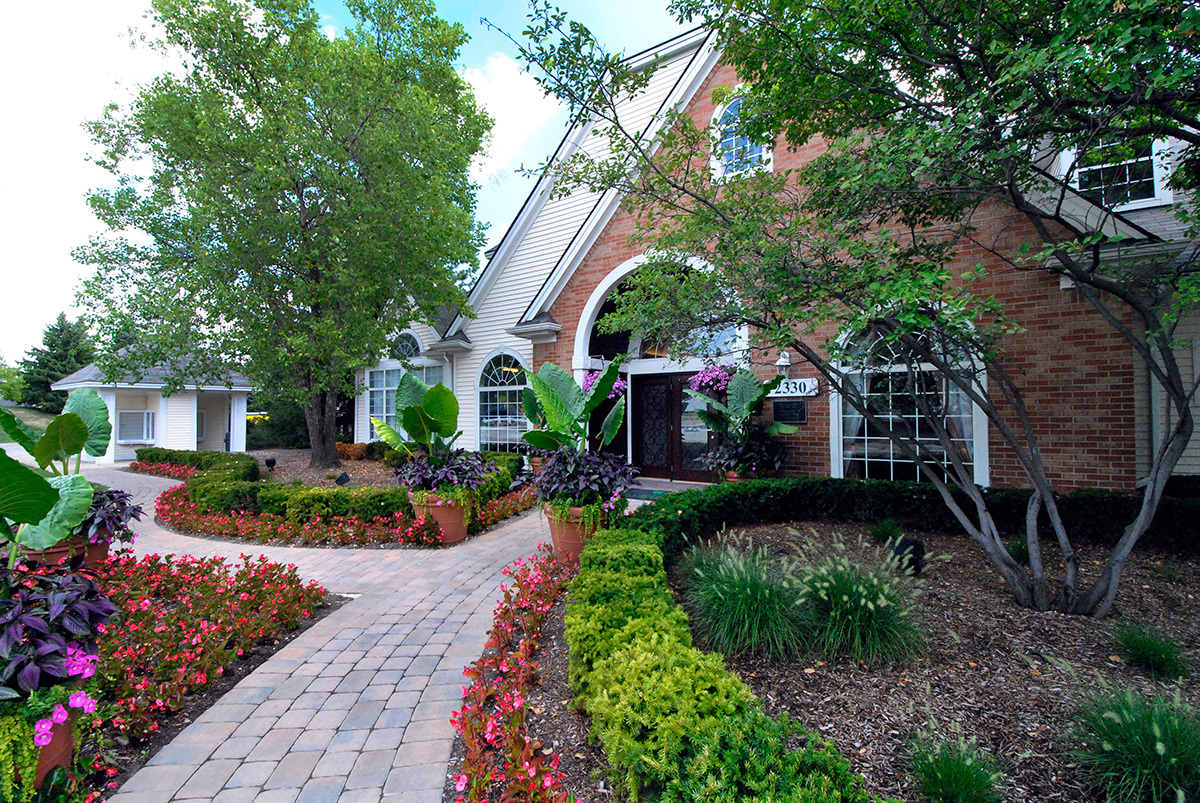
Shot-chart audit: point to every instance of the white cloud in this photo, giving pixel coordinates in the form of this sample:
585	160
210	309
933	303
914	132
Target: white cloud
518	109
330	31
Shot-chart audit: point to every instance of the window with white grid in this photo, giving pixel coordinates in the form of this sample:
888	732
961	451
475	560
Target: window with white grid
135	426
381	391
502	420
1120	175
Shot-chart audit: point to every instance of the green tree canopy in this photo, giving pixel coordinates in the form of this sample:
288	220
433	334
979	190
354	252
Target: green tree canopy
290	200
12	385
66	347
934	116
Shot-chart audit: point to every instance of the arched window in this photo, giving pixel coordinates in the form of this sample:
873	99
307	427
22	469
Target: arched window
383	381
733	152
405	347
910	399
501	419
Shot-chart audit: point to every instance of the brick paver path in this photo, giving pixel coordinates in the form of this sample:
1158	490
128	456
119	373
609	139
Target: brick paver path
357	708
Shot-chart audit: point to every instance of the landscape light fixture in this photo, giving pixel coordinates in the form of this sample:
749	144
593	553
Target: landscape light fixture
342	480
270	461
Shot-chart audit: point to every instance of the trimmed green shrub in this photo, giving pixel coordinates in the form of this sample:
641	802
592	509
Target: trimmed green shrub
595	632
864	613
743	601
225	496
511	462
955	771
1152	650
594	588
373	503
273	496
629	558
650	698
687	517
1139	750
625	536
243	466
320	504
748	759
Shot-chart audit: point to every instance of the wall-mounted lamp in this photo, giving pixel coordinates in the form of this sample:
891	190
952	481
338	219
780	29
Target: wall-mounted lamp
783	364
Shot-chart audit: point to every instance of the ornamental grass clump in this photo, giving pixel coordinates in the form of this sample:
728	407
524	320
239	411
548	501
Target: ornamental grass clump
1139	750
954	770
1152	650
743	600
861	612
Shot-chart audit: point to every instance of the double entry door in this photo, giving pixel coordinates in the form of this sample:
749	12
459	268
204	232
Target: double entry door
668	436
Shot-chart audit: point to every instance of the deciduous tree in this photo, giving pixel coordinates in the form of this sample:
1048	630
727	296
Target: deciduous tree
932	114
288	200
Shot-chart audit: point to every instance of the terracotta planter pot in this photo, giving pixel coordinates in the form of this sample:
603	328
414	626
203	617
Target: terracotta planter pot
93	554
535	464
448	516
568	535
61	750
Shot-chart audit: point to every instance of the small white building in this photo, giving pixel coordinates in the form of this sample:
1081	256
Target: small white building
205	417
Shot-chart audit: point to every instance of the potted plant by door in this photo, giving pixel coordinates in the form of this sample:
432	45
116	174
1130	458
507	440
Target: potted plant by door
580	490
443	482
747	450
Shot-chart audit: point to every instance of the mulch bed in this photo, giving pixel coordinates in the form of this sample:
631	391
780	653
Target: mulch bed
1008	676
292	465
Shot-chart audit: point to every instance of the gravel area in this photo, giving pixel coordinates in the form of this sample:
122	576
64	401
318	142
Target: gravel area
1008	676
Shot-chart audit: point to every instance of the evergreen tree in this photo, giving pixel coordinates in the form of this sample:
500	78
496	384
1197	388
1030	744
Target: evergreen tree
66	347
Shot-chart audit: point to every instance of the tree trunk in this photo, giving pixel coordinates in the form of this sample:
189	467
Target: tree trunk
321	417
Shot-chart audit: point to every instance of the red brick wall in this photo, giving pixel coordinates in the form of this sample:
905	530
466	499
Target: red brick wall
1075	372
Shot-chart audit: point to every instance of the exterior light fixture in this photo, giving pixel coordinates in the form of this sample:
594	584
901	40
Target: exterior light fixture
783	364
342	479
270	461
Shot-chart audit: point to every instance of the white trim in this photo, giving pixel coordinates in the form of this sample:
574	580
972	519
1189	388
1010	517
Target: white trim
685	89
766	162
148	386
496	352
1160	152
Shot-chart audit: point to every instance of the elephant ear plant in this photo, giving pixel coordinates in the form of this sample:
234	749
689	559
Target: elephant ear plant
563	409
745	446
82	426
429	416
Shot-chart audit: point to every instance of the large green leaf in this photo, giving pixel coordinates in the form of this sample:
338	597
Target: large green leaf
410	392
389	436
532	407
74	499
65	437
24	496
612	422
558	416
546	439
564	386
601	387
780	429
87	404
442	408
417	423
714	421
745	394
716	405
21	435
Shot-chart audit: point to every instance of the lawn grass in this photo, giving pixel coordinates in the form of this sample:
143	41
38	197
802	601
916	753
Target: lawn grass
34	419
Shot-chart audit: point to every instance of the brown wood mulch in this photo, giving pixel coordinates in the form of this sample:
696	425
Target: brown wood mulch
292	465
1010	677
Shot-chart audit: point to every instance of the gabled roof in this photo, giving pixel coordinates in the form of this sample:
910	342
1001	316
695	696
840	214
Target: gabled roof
698	48
90	376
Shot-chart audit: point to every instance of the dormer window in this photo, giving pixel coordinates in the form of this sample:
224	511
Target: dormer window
1130	174
734	153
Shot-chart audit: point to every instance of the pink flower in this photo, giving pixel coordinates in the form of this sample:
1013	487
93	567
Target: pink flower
78	699
460	783
42	738
59	714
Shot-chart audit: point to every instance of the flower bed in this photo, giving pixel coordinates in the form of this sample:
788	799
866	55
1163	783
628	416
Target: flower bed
501	760
506	506
183	621
174	508
164	470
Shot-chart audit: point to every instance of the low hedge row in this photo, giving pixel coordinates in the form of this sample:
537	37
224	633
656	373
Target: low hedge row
1090	515
675	724
229	482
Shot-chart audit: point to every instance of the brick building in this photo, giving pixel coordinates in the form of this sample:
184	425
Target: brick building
553	273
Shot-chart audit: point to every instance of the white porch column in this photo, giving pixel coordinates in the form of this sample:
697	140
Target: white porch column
237	422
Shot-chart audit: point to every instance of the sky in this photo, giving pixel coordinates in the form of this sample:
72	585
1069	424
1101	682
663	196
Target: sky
65	61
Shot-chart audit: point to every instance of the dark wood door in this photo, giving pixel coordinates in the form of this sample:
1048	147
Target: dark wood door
668	436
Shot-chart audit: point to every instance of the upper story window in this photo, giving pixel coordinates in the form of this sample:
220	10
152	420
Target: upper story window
733	152
405	347
1131	174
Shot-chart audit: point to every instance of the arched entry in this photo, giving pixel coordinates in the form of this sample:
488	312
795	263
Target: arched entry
664	433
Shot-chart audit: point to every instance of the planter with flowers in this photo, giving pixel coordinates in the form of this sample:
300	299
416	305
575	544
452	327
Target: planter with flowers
443	482
50	617
107	520
581	490
747	450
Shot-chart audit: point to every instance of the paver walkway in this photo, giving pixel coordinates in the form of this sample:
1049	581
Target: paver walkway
357	708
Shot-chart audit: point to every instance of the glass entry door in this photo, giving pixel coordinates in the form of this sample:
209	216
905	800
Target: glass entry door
668	435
